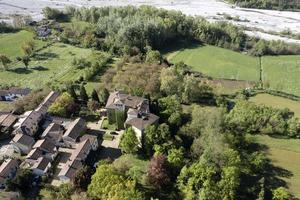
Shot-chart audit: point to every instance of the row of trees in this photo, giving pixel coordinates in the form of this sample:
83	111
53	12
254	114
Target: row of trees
269	4
118	29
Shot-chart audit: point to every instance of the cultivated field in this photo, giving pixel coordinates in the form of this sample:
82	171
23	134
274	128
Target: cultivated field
52	64
285	154
277	102
279	72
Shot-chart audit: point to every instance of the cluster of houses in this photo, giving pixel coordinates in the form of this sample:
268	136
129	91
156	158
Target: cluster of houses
40	147
46	143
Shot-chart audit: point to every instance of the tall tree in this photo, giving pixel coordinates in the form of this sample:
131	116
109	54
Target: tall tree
82	178
104	94
158	172
28	48
72	92
25	60
83	95
95	96
129	142
5	61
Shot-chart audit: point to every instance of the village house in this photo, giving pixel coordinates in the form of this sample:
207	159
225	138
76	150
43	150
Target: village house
54	132
75	129
29	123
130	111
75	161
6	122
23	142
93	139
46	146
13	93
8	170
39	167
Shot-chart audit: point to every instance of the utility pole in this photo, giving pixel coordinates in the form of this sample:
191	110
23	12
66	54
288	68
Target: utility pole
260	72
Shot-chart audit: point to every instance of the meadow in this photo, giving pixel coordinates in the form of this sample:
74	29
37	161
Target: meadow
277	102
285	154
279	72
10	43
52	64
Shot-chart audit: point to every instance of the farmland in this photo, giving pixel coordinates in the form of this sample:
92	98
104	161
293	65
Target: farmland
279	72
277	102
285	154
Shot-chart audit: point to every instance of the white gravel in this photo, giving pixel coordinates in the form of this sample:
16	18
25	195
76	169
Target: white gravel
266	20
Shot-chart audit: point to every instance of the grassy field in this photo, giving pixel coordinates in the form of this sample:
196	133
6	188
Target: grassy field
50	64
284	153
280	72
5	106
10	43
277	102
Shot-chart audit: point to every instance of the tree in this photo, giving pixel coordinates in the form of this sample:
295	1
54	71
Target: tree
83	95
25	60
158	172
280	194
176	157
61	105
53	13
93	105
170	110
72	92
153	57
104	94
171	81
4	60
111	185
95	96
129	142
82	178
22	181
28	48
155	135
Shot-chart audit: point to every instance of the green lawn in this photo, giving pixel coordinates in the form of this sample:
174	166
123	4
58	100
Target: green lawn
280	72
10	43
277	102
284	153
5	106
218	62
52	64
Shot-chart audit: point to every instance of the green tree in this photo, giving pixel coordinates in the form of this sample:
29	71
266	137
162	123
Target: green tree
5	61
25	60
129	142
61	105
170	110
104	94
176	157
281	194
22	181
95	96
83	95
82	178
171	81
28	48
71	91
153	57
110	185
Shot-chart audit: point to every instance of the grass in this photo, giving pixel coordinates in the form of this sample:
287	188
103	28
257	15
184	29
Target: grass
5	106
52	64
280	72
106	125
10	43
284	153
277	102
108	137
218	62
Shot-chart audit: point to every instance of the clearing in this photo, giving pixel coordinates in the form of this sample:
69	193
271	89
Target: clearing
284	153
277	102
279	72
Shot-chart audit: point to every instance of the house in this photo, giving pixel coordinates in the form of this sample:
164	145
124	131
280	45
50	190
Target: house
54	132
8	170
47	147
93	139
41	166
13	93
6	122
23	142
126	110
140	122
75	161
74	130
119	103
29	123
